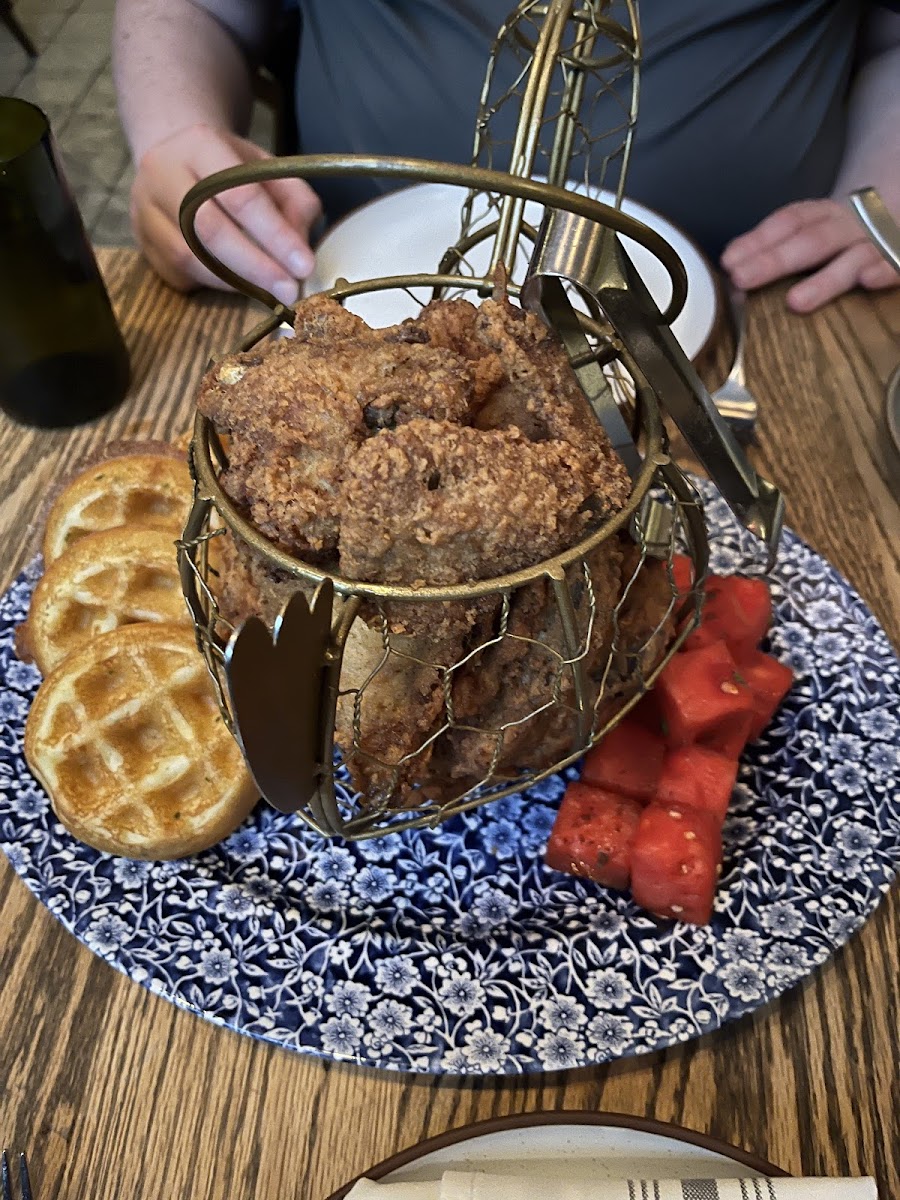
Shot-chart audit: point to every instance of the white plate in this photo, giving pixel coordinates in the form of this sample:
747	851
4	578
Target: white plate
407	231
571	1147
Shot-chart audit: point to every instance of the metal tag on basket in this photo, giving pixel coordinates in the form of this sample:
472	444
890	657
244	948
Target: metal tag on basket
286	686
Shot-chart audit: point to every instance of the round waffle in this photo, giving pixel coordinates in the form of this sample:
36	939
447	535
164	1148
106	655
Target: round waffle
149	490
127	738
116	577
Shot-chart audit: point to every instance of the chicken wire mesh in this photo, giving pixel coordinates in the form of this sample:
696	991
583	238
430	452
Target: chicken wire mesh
430	700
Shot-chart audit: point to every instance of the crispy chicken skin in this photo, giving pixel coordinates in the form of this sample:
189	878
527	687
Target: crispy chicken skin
454	447
540	393
451	324
393	680
522	375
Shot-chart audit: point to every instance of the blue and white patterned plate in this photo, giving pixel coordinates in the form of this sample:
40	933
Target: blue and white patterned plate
456	949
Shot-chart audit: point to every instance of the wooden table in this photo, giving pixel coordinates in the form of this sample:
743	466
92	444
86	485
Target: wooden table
117	1094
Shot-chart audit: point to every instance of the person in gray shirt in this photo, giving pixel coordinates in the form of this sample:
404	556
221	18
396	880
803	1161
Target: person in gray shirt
757	117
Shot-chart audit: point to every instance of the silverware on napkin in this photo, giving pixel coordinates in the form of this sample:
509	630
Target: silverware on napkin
486	1185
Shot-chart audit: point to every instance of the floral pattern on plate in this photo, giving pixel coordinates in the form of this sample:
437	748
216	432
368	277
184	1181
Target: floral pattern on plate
456	949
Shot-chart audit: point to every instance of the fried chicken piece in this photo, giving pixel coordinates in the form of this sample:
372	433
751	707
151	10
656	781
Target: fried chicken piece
320	317
289	442
451	324
442	505
522	686
245	584
524	381
540	393
421	505
645	620
394	680
296	411
434	503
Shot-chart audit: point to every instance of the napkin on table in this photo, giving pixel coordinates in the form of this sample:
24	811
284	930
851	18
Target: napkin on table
471	1185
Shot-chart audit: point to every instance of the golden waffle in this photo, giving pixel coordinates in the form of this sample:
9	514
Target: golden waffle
149	490
126	736
107	579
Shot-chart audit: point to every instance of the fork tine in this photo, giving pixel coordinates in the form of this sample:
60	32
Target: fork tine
24	1181
4	1178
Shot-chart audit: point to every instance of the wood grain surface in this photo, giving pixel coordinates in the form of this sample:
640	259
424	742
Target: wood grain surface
115	1093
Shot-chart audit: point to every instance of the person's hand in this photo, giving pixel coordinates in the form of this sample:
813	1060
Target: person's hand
823	237
261	231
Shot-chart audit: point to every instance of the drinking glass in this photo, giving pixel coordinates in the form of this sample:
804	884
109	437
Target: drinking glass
62	357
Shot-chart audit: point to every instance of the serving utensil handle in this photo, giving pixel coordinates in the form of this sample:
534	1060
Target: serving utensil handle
880	225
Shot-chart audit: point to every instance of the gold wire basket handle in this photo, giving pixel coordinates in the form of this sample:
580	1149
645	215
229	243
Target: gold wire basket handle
313	166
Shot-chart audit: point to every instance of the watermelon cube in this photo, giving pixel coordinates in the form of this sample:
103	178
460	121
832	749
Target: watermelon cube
592	835
737	611
698	778
682	573
703	700
769	682
730	737
648	714
675	860
628	761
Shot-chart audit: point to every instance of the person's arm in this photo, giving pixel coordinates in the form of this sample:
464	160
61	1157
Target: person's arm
184	83
824	236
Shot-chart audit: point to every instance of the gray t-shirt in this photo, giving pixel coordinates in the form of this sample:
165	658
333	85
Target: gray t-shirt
742	101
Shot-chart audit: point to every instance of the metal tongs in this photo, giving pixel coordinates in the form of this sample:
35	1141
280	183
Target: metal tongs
574	250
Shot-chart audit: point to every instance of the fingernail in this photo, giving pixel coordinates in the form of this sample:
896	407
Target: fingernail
300	263
801	299
286	291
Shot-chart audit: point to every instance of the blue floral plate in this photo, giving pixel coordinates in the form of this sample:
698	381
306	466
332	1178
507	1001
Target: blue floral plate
456	949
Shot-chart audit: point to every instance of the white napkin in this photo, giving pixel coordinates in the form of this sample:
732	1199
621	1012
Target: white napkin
367	1189
465	1185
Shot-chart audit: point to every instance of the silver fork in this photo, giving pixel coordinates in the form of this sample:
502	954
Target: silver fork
733	399
6	1190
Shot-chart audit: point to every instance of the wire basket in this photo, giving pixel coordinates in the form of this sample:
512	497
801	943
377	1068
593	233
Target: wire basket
367	707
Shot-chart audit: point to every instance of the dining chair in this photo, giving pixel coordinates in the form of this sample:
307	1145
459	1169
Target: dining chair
8	17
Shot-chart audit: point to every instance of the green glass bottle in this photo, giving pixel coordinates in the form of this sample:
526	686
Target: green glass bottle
62	357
